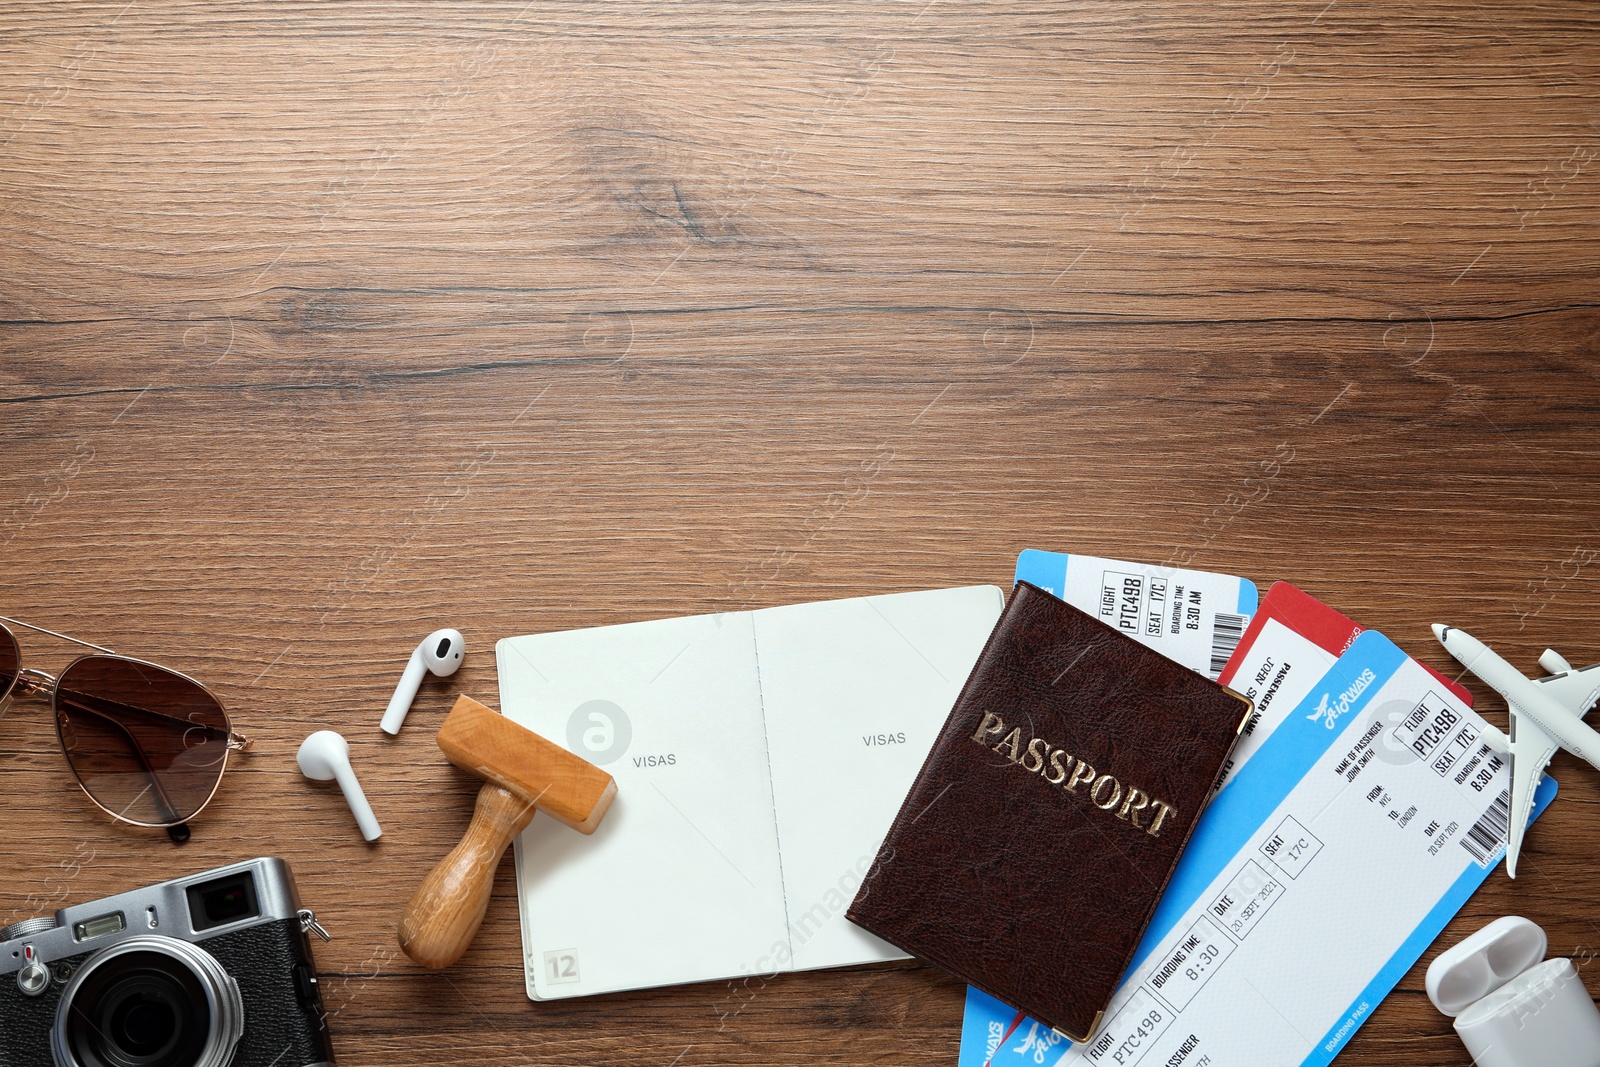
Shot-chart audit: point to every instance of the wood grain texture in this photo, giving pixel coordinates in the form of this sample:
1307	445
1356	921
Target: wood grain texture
322	326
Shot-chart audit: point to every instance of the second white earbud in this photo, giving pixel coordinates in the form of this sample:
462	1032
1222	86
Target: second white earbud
325	756
439	654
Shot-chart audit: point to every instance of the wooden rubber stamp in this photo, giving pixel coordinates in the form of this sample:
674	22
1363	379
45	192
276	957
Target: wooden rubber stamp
523	774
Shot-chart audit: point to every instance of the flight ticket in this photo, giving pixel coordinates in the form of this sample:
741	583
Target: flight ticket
1314	881
1193	617
1289	645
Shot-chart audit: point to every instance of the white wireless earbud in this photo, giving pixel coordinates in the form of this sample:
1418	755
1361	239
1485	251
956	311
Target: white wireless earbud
439	654
325	756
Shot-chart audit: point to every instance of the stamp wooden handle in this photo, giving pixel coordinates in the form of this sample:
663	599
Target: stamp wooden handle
447	908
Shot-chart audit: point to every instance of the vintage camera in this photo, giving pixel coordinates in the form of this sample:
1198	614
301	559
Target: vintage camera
213	970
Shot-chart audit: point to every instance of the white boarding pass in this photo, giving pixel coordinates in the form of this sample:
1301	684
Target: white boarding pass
1192	617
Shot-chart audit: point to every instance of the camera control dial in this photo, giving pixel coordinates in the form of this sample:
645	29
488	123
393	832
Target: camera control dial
34	977
26	927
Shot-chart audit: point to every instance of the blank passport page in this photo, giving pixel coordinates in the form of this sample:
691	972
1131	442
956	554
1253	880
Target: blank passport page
760	758
855	693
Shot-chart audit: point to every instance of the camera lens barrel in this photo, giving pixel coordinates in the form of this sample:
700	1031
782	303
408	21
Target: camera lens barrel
148	1001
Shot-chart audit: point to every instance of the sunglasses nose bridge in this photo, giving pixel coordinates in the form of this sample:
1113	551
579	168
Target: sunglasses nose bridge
34	683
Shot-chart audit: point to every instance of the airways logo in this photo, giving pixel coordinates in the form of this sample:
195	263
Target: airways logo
1330	708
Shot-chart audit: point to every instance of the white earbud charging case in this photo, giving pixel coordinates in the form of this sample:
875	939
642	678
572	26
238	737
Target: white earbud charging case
1510	1009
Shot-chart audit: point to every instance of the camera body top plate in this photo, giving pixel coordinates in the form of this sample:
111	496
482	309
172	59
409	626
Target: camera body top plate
158	909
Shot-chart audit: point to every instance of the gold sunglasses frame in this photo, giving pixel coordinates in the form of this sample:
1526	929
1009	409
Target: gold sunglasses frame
41	685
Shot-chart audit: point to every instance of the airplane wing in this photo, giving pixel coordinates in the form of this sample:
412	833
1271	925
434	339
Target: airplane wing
1575	690
1531	752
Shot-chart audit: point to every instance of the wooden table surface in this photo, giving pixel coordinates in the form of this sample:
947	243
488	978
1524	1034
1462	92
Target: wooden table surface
324	325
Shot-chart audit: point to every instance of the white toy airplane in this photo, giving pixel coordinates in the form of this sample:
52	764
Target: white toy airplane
1546	714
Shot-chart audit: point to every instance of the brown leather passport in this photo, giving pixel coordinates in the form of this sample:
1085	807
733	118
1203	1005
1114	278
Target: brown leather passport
1034	845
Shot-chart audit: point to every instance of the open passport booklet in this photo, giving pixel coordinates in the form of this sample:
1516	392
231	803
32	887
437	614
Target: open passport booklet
760	758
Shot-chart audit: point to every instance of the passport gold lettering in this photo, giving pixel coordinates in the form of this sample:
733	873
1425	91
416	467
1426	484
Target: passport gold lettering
985	730
1136	802
1084	773
1013	739
1113	796
1056	766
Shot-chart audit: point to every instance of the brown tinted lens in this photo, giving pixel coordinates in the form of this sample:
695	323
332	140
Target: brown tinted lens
10	660
147	744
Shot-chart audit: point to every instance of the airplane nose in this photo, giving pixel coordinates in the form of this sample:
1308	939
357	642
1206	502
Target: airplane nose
1439	630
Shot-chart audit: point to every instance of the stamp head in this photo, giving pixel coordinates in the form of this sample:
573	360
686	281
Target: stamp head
485	743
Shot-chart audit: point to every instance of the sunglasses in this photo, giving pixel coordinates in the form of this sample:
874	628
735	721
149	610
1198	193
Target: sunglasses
147	744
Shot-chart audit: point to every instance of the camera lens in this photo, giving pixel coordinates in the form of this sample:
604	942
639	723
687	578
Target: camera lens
141	1009
149	1002
143	1018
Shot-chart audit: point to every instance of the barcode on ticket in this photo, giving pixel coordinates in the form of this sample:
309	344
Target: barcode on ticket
1489	832
1226	630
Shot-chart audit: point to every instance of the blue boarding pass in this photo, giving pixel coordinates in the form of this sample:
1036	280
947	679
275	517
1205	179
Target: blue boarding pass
1193	617
1313	882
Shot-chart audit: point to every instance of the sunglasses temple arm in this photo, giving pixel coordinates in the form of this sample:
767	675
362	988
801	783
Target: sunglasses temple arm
210	731
165	802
